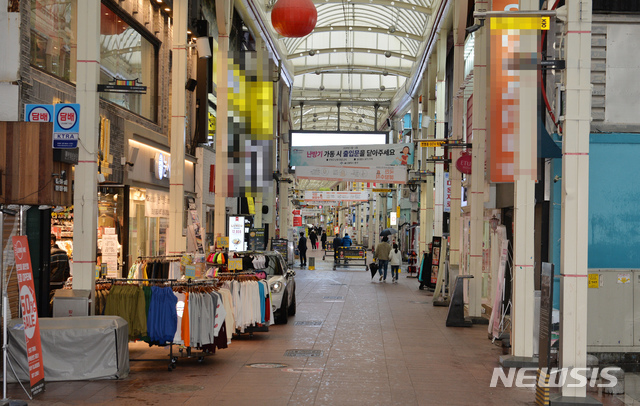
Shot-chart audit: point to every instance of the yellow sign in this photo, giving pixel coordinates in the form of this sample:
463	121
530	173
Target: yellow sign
520	23
235	264
383	190
432	144
594	280
398	212
222	242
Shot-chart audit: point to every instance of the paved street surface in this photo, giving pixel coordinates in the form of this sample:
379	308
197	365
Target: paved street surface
376	344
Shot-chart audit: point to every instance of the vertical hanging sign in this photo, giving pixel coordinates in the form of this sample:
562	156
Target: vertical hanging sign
29	313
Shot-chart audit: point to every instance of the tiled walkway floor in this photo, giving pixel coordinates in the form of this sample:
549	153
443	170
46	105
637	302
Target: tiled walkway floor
379	343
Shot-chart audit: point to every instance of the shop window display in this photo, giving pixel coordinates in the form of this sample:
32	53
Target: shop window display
147	223
125	54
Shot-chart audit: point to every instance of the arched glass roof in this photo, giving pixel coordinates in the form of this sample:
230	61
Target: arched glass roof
359	54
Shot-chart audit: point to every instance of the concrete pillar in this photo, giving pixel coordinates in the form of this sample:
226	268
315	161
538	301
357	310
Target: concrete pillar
440	116
85	196
224	24
428	131
524	203
575	192
175	241
476	195
457	127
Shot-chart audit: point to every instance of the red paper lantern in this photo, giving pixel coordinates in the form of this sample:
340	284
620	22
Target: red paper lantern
294	18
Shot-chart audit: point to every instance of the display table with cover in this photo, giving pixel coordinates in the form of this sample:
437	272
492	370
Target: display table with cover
74	348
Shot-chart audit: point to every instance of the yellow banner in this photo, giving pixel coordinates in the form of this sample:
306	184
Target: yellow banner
382	190
520	23
432	144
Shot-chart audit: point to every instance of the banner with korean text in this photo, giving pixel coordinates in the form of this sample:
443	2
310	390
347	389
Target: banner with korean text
383	174
350	155
29	313
335	196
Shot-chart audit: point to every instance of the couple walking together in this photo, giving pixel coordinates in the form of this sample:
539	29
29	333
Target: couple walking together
385	254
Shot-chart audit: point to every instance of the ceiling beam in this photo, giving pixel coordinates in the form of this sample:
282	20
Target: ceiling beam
351	69
387	3
307	103
360	28
330	51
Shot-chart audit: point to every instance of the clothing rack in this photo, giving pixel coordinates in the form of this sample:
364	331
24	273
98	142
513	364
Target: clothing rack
173	358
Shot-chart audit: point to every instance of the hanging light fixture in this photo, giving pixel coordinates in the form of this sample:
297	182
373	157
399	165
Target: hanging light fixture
294	18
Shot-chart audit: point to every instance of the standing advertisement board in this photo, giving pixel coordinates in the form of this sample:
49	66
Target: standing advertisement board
29	313
236	233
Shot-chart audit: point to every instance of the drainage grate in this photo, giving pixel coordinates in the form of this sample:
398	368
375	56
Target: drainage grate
333	297
308	323
303	353
338	284
175	388
420	302
266	365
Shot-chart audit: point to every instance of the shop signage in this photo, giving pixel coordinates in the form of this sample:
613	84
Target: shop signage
67	156
447	193
333	196
66	125
156	204
349	155
377	174
29	313
432	143
110	248
297	221
123	86
464	163
256	239
41	113
236	233
162	165
383	190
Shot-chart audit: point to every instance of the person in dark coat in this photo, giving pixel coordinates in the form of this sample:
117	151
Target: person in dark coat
337	243
323	240
302	247
59	270
314	239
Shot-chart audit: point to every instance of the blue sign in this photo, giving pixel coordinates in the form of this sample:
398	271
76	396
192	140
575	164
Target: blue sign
40	113
66	125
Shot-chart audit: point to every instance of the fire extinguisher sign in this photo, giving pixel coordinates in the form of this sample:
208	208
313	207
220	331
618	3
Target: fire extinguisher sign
29	313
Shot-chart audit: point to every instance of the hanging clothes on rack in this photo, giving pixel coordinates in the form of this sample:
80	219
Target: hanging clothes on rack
249	296
128	302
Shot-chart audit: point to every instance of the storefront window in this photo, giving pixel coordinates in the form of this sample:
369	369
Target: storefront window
53	37
110	229
147	223
125	54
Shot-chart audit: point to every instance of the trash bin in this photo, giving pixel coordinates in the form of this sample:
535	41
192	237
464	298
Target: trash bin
68	303
312	263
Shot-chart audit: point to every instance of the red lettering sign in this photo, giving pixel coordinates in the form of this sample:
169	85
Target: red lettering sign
464	163
29	313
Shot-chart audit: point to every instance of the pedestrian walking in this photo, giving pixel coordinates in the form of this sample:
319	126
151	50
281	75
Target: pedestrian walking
323	240
302	248
314	238
337	243
382	255
395	260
